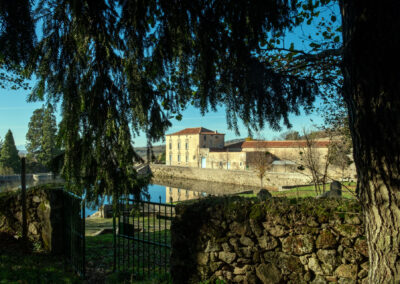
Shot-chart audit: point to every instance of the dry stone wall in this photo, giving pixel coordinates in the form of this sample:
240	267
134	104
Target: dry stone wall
271	180
44	216
276	241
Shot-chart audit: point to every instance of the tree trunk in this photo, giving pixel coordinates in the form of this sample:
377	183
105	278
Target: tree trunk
371	69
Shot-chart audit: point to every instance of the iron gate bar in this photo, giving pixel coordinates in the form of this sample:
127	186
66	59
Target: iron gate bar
142	240
153	203
74	216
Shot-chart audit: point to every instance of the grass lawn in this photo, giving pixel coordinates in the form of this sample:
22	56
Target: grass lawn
93	225
348	191
100	251
100	259
19	263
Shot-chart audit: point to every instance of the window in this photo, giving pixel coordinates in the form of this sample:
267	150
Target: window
187	158
179	158
186	145
170	145
179	145
170	158
241	163
194	157
205	137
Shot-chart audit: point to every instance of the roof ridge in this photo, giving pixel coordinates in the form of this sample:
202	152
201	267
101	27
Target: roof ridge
195	130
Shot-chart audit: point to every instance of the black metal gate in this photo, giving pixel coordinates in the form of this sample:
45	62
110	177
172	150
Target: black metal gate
142	237
74	216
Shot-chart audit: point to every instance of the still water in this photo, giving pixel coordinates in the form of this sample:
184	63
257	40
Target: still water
167	190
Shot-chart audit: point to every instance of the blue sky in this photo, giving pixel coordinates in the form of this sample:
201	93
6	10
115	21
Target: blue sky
15	113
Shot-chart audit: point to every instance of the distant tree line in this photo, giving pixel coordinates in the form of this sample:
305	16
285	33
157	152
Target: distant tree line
41	146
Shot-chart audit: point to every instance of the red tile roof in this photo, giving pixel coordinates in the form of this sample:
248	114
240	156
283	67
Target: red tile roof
195	130
282	144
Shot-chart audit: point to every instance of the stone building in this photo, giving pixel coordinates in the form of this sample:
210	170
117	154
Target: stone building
186	147
203	148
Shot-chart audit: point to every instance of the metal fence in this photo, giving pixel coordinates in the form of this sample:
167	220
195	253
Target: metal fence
74	217
142	237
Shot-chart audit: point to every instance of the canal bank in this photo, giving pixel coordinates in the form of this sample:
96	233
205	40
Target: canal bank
271	180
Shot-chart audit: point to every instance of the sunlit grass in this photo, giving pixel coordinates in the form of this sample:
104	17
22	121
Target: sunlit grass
348	191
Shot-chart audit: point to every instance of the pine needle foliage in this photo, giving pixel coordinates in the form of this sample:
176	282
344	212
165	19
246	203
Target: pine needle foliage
121	67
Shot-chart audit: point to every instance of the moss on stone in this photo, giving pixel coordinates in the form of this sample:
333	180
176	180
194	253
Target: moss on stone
42	206
257	212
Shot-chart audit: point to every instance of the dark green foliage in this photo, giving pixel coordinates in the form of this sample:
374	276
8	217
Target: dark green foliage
17	31
121	67
41	138
161	158
290	135
17	39
9	154
293	135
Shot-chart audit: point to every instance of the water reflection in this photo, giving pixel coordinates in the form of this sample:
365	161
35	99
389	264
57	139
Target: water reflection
174	194
185	189
165	190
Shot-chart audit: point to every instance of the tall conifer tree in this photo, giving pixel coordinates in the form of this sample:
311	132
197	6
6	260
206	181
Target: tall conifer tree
41	137
9	154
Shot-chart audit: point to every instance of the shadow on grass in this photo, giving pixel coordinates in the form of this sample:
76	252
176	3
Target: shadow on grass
100	261
20	263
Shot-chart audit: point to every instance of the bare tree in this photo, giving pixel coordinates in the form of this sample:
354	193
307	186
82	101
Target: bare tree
260	162
309	159
339	154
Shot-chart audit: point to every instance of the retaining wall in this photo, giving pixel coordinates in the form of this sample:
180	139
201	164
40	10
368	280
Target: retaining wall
277	241
44	206
271	180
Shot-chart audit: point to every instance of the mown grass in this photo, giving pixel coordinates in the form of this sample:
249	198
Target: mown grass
93	225
19	263
100	259
348	191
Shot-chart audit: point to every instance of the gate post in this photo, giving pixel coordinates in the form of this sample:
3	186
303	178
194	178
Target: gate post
83	237
23	200
114	237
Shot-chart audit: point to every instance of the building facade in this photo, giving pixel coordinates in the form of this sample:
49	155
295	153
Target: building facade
188	147
203	148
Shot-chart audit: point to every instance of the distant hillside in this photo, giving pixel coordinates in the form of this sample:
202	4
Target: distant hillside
233	141
142	151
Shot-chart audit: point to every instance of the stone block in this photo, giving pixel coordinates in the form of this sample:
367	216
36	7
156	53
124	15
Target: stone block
268	273
361	246
299	245
325	240
267	242
275	230
227	257
246	241
347	271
